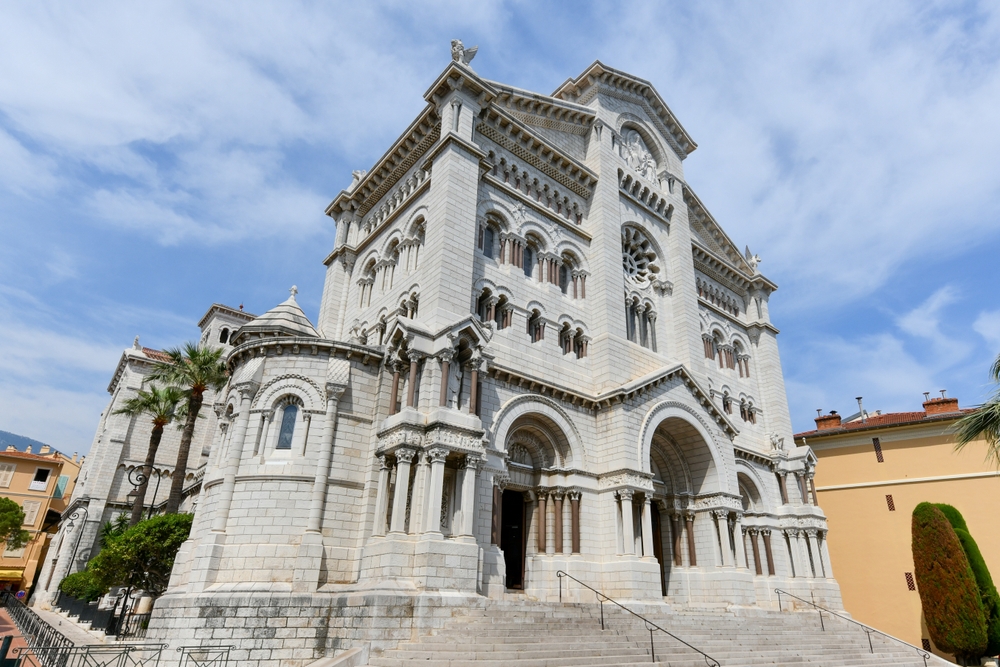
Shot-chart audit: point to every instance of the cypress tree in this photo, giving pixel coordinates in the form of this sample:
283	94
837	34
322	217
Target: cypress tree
949	595
987	591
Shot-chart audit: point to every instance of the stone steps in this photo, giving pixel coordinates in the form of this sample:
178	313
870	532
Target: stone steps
527	634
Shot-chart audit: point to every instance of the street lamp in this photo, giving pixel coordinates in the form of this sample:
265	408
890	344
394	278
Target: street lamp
80	513
137	478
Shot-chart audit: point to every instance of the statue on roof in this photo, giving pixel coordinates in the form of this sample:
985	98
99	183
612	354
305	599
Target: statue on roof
460	54
752	259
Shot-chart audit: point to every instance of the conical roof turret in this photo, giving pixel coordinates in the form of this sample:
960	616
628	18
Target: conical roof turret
285	319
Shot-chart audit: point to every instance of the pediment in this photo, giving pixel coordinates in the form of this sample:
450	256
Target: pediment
709	234
601	79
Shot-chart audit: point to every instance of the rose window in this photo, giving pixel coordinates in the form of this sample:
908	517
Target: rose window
638	257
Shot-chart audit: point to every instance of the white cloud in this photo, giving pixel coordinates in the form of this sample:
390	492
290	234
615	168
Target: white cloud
987	325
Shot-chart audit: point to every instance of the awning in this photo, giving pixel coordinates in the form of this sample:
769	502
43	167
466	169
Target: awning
11	574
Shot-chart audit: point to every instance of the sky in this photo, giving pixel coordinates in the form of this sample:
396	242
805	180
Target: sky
158	157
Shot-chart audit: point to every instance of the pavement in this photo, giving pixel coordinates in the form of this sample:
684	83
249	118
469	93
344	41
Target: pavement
68	628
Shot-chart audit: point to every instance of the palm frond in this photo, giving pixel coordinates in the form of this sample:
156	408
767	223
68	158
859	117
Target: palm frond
983	423
995	370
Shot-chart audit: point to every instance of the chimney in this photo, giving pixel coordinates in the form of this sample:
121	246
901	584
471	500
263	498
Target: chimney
27	450
11	448
827	422
940	406
45	449
74	457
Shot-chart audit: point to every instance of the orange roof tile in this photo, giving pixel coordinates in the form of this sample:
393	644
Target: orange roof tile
890	419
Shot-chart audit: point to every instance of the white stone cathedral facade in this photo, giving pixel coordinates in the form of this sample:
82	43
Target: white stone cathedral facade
537	351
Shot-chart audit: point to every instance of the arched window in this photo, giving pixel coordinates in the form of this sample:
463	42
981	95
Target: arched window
288	416
488	234
580	344
484	306
224	336
503	313
565	277
528	262
566	339
536	327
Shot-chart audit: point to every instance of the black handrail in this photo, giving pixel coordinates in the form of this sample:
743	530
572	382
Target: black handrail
868	630
601	598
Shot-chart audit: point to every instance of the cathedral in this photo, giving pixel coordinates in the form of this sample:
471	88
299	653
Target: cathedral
537	351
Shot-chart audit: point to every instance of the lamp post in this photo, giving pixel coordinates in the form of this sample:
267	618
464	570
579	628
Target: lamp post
137	478
79	513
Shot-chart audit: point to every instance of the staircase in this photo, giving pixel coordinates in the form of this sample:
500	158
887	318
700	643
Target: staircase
533	634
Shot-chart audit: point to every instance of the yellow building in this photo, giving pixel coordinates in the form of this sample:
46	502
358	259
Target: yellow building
41	484
871	473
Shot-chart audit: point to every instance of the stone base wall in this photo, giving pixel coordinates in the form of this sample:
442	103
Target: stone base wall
293	630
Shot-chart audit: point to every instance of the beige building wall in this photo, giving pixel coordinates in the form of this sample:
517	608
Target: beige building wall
38	483
869	504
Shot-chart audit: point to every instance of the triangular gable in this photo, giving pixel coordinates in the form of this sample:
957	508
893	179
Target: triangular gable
542	110
711	235
631	88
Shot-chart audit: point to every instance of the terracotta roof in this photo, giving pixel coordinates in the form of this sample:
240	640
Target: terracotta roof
156	355
881	421
51	458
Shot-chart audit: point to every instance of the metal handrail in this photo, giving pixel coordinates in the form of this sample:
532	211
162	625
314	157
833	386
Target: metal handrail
602	598
868	630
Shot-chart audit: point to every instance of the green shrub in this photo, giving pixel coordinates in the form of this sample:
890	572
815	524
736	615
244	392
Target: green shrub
987	591
953	608
142	556
82	586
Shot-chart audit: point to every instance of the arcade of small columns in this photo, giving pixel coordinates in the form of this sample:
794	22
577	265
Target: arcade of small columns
547	265
424	513
550	501
444	359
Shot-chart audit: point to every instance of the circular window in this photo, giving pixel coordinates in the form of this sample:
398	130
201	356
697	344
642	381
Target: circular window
638	257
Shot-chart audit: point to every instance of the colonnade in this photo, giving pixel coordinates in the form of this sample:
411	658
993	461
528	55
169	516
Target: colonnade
416	510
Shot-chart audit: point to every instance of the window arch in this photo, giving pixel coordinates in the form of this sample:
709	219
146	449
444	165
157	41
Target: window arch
530	258
365	284
224	336
536	326
640	322
489	238
485	305
288	417
503	313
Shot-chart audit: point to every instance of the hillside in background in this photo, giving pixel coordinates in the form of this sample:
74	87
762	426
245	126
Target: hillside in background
20	442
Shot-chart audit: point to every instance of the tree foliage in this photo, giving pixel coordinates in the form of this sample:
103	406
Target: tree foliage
160	404
949	595
11	520
194	370
987	591
984	422
142	556
83	586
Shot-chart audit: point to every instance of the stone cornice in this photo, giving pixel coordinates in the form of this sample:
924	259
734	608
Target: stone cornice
226	310
544	111
512	135
301	345
506	189
600	75
411	145
711	232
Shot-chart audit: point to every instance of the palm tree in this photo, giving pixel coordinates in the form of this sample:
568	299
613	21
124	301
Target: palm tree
194	370
160	403
984	422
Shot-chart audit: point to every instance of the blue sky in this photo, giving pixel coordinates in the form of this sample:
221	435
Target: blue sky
158	157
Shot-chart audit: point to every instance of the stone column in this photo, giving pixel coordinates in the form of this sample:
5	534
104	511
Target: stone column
541	520
574	507
801	479
473	384
793	547
756	551
812	488
432	516
721	520
824	553
628	527
737	523
557	525
418	495
445	370
676	541
817	567
689	524
468	495
382	496
404	457
394	396
782	488
411	387
499	482
320	482
247	392
767	552
647	528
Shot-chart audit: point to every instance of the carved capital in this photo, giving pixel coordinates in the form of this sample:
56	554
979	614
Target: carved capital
625	494
405	454
574	494
437	454
471	461
501	480
335	391
383	463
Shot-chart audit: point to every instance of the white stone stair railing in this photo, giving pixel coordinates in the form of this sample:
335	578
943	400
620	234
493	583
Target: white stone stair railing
868	630
650	626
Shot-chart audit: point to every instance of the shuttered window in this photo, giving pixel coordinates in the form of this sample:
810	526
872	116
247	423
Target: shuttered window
878	450
910	584
31	508
889	502
6	474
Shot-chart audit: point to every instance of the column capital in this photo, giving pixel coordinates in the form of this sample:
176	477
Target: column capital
437	454
720	514
542	493
689	516
471	461
766	532
334	391
625	494
558	493
247	390
574	494
501	480
405	454
446	355
383	463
